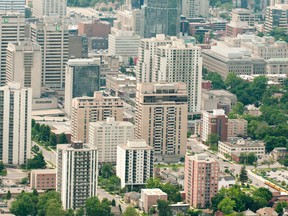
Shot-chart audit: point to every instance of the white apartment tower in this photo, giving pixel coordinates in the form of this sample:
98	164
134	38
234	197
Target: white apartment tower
24	65
195	8
49	8
107	135
134	163
12	29
15	124
92	109
161	117
146	54
77	171
12	6
53	37
181	62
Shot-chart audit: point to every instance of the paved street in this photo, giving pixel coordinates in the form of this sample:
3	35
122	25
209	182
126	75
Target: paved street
104	194
49	156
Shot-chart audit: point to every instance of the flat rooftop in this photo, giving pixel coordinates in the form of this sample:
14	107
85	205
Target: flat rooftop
154	191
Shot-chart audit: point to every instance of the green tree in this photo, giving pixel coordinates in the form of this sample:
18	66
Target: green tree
172	192
216	79
95	207
226	206
263	192
36	163
35	192
243	176
152	211
131	61
44	203
24	180
80	212
153	183
107	170
62	139
2	167
52	140
280	206
70	212
8	195
113	203
54	207
213	139
163	208
25	204
193	212
130	211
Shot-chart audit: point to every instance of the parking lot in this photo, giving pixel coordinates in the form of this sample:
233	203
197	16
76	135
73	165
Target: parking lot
278	175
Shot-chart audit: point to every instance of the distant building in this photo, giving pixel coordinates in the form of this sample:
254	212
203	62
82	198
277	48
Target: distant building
149	198
107	135
44	179
275	17
252	110
12	6
15	124
243	15
200	170
95	28
12	27
161	117
97	43
235	28
77	172
214	122
198	8
226	182
49	8
238	146
237	127
122	85
266	211
279	153
92	109
24	65
82	79
134	163
78	47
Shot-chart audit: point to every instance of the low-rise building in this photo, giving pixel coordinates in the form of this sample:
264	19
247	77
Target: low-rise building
226	182
238	146
43	179
237	127
252	110
121	85
149	198
279	153
266	211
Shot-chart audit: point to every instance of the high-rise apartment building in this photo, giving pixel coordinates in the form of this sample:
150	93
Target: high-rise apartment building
160	17
201	180
92	109
146	54
15	124
82	79
24	65
276	17
53	37
77	172
49	8
134	163
195	8
161	117
214	122
181	62
12	29
107	135
12	6
243	15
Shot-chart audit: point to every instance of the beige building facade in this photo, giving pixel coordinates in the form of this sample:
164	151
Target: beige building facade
237	127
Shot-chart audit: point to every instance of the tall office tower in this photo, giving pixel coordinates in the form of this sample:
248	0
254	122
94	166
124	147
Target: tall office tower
214	122
200	180
12	29
195	8
77	171
273	2
161	117
49	8
82	79
160	17
24	65
134	163
92	109
107	135
12	6
53	37
15	123
180	62
276	17
146	53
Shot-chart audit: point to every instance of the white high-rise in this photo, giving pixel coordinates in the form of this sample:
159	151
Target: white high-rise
134	163
53	37
146	53
77	171
195	8
24	65
49	8
107	135
180	62
15	124
12	29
